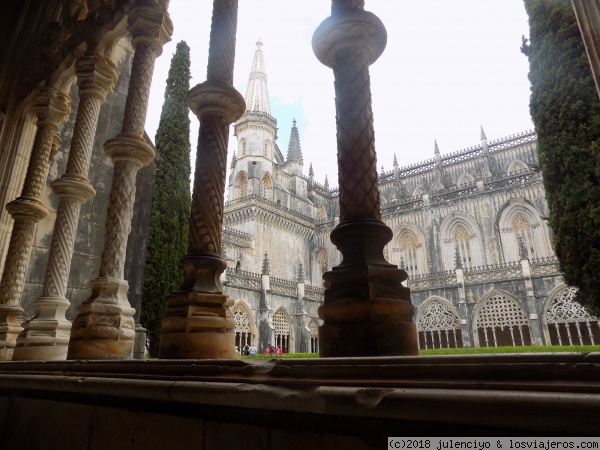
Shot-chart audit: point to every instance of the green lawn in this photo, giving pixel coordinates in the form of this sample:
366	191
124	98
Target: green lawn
464	351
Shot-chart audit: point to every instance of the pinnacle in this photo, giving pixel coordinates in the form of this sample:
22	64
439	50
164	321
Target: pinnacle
482	133
294	149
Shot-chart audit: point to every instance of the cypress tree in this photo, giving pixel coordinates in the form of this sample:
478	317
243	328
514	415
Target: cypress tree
171	203
565	109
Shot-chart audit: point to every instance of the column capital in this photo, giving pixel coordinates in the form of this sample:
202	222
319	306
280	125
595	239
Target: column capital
51	107
216	97
354	30
150	22
96	75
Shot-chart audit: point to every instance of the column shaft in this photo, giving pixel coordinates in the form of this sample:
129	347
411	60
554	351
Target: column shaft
367	311
51	108
46	336
197	322
104	327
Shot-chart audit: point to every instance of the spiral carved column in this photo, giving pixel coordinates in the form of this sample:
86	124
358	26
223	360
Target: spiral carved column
46	336
197	322
104	326
367	311
52	109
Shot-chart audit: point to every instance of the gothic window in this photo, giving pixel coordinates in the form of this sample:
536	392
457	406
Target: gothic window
465	180
408	253
321	214
461	240
314	336
522	232
265	186
439	326
569	323
241	186
266	149
515	167
501	322
243	330
282	330
242	147
323	262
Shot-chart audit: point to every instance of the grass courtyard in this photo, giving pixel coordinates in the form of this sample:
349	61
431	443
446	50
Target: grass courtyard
465	351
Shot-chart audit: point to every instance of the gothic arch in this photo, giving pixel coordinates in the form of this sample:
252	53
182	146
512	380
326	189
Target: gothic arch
313	326
499	320
320	264
419	191
518	221
409	251
460	230
242	147
240	186
566	321
266	186
516	166
465	179
283	330
267	149
245	327
438	324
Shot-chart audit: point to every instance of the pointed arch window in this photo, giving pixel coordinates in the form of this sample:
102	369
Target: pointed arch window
569	323
241	186
314	336
243	329
502	322
282	330
438	326
408	253
523	233
461	240
265	186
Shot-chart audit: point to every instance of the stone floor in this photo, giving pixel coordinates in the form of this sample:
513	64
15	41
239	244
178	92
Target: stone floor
294	403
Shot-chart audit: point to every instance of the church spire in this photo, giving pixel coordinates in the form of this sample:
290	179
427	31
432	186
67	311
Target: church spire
257	96
294	150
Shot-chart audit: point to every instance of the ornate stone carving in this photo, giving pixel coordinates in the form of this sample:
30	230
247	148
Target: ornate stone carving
104	326
52	109
197	322
367	311
46	336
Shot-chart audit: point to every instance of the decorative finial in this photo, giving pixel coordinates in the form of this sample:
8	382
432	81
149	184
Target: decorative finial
326	183
482	134
259	44
395	161
401	263
436	148
294	123
311	172
382	170
265	267
233	161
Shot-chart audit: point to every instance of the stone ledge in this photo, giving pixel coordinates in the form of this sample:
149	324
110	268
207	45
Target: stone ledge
538	393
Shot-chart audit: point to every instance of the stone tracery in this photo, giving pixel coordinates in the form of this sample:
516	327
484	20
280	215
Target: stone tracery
501	321
570	323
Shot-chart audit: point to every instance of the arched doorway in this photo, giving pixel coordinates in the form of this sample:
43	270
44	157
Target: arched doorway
500	321
438	324
243	324
568	322
283	329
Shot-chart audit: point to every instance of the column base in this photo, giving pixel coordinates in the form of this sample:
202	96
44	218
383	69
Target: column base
368	339
46	336
104	327
367	311
203	329
197	322
9	330
139	346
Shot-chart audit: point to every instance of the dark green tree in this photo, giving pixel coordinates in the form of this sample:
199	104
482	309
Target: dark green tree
171	203
566	112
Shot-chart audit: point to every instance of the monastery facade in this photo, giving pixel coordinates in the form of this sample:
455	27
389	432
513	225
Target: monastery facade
468	229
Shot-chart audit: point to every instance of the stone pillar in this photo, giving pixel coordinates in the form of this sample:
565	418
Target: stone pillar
197	322
535	324
51	109
46	336
104	326
367	311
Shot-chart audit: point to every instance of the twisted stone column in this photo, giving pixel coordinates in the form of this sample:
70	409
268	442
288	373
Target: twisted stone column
51	109
104	326
46	336
197	322
367	311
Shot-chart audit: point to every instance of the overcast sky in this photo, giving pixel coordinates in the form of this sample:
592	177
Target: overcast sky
448	68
